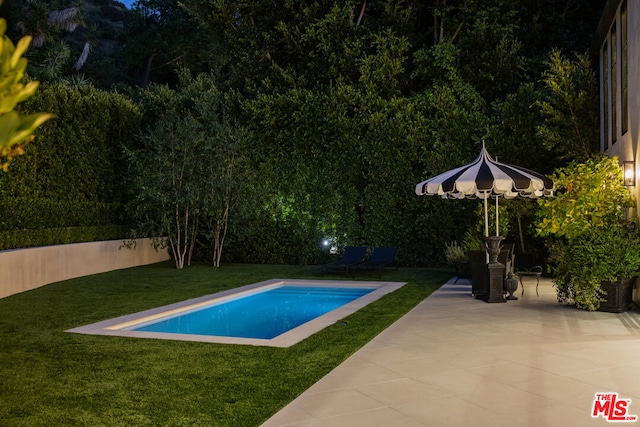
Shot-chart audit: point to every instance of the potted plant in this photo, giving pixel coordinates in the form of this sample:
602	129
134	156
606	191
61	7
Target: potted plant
591	240
595	271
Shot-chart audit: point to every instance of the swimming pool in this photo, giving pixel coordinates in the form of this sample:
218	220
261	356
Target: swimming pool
264	314
278	313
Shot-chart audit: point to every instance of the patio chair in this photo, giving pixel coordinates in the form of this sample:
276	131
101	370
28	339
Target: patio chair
528	265
352	256
535	271
381	257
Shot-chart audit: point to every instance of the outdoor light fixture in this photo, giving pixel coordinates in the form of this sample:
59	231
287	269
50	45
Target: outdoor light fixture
629	173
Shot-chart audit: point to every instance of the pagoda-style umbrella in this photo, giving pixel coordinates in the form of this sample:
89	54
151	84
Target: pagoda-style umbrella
484	178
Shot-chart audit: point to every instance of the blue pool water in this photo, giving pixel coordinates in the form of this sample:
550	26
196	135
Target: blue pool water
262	315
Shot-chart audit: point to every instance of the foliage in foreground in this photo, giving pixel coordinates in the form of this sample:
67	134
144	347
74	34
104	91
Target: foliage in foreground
49	377
15	129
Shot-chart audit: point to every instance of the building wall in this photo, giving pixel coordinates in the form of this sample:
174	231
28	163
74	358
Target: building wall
25	269
634	88
626	146
633	138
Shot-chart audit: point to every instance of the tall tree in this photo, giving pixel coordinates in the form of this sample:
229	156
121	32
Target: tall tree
570	108
188	168
47	22
72	40
167	195
159	38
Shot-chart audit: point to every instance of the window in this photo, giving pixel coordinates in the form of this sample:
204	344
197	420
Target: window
624	77
605	94
614	79
614	83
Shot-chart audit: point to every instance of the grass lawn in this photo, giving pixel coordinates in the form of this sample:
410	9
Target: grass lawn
52	378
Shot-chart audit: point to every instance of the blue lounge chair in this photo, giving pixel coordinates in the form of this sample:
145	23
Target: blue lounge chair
381	257
352	256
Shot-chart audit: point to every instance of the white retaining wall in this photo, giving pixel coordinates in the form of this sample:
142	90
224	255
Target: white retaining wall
25	269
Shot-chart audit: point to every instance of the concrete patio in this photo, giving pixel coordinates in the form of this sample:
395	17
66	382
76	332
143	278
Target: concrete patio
457	361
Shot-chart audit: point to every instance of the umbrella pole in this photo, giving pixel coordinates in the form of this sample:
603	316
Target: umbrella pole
497	222
486	222
486	216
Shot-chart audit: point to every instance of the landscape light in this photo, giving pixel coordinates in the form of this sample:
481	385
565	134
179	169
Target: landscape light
629	173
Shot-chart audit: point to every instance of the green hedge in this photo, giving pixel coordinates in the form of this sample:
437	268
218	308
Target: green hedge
37	213
15	239
275	241
71	183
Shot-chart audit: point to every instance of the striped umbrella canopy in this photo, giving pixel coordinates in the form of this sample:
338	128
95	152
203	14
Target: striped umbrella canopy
486	178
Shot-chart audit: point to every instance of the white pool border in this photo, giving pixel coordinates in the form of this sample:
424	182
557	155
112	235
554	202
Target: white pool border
113	327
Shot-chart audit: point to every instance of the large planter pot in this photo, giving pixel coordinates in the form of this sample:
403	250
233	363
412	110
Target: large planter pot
493	245
479	271
479	274
619	295
510	286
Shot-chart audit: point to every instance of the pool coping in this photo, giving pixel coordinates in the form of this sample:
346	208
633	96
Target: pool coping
111	327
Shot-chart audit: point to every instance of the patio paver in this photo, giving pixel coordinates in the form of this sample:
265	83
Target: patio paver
457	361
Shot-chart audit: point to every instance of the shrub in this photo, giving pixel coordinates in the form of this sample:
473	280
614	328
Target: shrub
454	253
592	239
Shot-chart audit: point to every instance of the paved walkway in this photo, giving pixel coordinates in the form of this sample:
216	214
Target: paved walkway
457	361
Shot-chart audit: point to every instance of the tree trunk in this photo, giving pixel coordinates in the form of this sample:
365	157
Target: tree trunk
220	234
177	258
147	71
364	6
222	223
